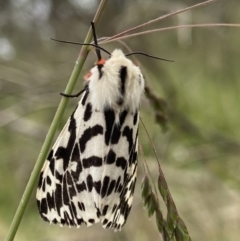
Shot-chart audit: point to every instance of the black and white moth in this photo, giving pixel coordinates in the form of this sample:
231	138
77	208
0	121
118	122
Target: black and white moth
90	173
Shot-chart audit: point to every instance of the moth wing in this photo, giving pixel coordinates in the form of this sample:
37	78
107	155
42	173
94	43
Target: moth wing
89	176
62	194
121	166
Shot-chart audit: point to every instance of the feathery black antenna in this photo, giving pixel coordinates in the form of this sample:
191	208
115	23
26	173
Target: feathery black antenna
148	55
76	43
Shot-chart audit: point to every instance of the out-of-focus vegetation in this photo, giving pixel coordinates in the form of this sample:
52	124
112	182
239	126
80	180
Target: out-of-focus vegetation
200	152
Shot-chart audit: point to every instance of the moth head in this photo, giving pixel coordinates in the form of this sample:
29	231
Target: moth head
115	83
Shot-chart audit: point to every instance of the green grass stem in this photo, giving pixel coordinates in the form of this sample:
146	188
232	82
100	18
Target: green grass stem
50	135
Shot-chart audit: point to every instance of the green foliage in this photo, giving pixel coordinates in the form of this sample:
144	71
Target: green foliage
172	228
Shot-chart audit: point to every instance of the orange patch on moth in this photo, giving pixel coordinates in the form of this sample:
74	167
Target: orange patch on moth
88	75
101	62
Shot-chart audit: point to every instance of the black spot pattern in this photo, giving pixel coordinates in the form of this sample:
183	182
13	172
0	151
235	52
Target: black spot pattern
91	220
117	184
88	112
65	152
122	87
49	182
133	153
85	97
54	220
81	206
40	182
97	186
66	199
111	187
123	75
50	201
58	197
123	115
105	186
75	154
52	166
81	187
44	185
92	161
98	211
71	189
109	225
50	155
43	206
116	133
104	221
128	133
74	210
58	176
88	134
121	162
79	221
114	208
109	116
62	221
89	183
135	118
113	130
111	157
104	212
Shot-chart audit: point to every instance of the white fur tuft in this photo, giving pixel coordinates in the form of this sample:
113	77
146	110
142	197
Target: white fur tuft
105	92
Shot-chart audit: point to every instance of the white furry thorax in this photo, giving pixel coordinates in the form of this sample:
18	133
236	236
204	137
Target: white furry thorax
106	86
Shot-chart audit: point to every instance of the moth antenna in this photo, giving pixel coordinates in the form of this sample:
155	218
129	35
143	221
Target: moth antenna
81	44
95	41
150	56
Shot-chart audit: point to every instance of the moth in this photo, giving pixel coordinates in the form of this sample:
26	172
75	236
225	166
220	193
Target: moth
90	173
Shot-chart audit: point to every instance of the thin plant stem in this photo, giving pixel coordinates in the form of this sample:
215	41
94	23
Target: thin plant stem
128	31
159	166
50	135
204	25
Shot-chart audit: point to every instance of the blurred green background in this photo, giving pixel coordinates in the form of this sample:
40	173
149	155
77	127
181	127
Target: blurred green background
200	151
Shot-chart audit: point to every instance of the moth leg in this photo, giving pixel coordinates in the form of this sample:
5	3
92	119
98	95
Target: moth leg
74	95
